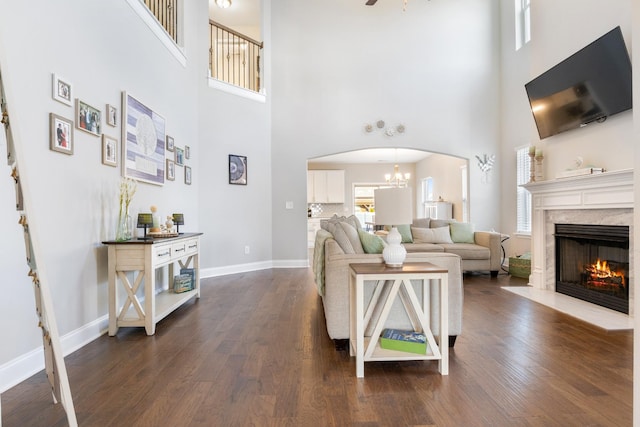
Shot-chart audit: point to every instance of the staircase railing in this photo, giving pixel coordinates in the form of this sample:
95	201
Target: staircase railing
166	12
234	58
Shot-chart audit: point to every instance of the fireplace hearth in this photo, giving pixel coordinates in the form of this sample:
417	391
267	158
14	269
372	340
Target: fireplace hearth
592	263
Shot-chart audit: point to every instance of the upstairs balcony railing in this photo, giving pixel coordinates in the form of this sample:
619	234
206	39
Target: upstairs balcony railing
166	12
234	58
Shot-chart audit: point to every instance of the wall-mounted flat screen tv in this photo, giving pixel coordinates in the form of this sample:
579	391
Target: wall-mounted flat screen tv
589	86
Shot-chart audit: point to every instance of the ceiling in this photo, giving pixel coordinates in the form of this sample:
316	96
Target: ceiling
375	155
242	13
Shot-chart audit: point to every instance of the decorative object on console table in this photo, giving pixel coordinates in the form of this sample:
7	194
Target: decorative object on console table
169	224
393	208
400	340
144	220
124	230
178	220
155	226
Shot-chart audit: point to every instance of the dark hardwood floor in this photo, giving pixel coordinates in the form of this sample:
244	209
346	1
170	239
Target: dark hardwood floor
254	352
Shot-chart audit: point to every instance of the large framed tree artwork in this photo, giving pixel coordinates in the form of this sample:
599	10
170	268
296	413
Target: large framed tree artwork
143	142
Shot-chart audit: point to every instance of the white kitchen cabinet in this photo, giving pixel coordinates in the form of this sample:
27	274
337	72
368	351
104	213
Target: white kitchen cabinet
325	186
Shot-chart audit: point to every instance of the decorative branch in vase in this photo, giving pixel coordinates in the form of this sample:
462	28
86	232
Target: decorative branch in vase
124	230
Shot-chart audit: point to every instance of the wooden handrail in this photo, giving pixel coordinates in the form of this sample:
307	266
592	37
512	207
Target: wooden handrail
237	34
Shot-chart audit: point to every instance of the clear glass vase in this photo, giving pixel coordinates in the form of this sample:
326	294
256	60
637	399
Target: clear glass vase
124	230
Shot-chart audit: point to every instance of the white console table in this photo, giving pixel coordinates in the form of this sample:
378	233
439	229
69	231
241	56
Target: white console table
141	258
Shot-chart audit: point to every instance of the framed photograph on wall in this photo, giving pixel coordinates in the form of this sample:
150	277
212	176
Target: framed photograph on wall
187	175
112	115
170	143
88	118
237	169
109	151
179	156
171	170
143	142
187	152
62	90
60	134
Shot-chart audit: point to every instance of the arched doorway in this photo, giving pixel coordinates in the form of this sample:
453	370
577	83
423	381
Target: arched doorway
434	177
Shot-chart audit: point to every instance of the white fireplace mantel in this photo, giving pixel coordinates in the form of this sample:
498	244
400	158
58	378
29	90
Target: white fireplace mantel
609	190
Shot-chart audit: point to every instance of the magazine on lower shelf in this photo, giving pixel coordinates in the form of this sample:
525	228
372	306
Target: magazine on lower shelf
401	340
182	283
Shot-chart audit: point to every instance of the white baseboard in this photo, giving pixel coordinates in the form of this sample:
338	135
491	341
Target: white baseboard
29	364
254	266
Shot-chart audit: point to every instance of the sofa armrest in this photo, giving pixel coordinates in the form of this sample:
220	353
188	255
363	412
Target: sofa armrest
491	240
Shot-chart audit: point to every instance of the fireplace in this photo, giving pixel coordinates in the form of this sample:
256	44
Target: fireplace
602	199
592	263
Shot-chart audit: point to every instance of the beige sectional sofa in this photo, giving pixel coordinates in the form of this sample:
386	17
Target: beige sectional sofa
335	249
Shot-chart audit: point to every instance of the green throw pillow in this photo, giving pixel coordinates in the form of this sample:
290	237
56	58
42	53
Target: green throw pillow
371	243
405	232
462	232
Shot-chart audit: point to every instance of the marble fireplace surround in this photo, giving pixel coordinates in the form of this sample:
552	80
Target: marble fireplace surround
605	199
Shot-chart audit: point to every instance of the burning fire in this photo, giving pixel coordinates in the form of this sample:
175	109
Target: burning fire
601	271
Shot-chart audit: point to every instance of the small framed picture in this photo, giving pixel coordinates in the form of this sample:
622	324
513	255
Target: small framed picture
187	175
112	115
88	118
60	134
187	152
171	170
179	156
237	169
62	90
109	151
169	143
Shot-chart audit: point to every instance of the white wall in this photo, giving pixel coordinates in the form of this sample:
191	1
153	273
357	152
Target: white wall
558	30
339	65
447	179
104	48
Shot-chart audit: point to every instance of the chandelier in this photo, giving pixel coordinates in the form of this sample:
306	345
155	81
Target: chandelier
397	179
223	3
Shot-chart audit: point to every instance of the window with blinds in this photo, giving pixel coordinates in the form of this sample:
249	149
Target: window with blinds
523	203
523	22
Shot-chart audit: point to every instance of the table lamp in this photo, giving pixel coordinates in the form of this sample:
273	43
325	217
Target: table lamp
145	220
178	220
393	208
